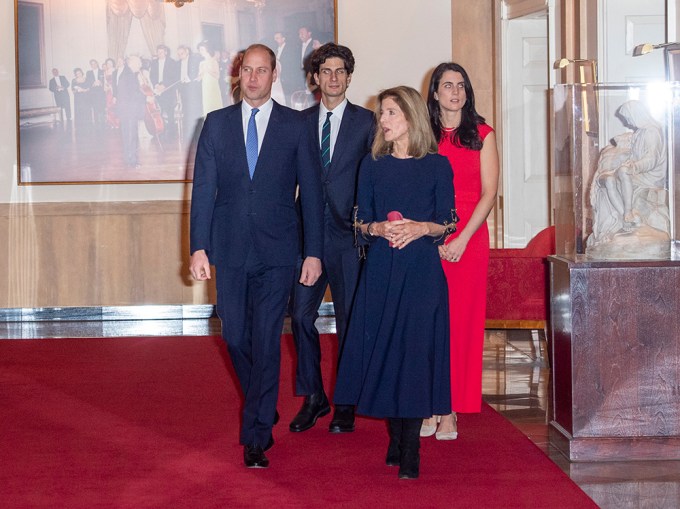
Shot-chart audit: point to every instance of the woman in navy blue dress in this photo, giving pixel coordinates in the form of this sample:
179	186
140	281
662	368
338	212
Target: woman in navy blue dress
397	349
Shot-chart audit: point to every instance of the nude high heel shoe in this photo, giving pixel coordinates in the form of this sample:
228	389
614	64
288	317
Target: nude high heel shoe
427	430
449	435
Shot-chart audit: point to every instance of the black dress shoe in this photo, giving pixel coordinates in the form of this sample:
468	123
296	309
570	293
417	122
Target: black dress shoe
253	457
276	417
315	406
343	419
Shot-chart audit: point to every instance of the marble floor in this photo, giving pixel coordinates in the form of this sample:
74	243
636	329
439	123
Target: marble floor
516	382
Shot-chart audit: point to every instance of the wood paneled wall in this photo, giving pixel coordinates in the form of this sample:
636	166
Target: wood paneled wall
474	39
98	254
476	46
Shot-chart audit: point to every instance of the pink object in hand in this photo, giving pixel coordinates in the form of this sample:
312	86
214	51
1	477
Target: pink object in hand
395	215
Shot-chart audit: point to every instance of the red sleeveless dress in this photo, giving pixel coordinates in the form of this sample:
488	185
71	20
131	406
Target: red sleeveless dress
467	280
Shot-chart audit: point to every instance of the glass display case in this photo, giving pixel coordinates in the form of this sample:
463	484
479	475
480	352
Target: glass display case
614	171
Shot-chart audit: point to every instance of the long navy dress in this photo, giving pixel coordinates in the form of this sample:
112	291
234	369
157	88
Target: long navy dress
395	361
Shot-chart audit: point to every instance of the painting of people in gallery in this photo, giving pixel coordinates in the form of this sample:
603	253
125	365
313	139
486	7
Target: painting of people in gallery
115	91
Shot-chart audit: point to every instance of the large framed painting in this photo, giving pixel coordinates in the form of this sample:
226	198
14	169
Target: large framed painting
115	91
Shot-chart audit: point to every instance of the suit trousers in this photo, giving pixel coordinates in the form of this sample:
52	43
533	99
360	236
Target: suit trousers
129	131
340	272
251	303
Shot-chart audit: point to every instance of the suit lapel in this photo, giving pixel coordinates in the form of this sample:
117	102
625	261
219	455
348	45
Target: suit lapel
343	134
235	125
313	125
268	141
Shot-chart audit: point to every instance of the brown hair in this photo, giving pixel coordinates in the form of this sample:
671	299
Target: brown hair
266	49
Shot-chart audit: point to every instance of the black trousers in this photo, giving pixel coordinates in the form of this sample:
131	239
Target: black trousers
129	130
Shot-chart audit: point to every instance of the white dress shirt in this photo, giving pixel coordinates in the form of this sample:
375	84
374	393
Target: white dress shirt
161	67
184	70
304	48
261	120
336	120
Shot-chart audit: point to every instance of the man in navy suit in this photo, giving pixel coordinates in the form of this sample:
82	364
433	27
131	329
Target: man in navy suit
349	134
249	160
164	76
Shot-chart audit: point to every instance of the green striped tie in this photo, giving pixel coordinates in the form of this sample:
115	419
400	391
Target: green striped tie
326	141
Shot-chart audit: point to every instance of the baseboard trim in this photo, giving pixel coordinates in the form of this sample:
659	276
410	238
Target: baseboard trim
110	313
515	324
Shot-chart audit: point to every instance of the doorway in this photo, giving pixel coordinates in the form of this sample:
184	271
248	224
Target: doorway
525	95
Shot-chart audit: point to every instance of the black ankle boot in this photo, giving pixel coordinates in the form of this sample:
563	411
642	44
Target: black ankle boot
409	462
394	450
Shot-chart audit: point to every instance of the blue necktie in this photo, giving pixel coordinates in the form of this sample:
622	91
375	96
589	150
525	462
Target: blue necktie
251	143
326	141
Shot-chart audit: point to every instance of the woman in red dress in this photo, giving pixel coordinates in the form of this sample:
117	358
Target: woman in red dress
470	145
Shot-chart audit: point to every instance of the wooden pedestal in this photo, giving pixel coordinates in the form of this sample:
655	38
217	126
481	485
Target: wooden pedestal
615	330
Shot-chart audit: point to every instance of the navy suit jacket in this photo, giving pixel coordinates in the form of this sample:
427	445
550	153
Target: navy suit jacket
339	180
227	208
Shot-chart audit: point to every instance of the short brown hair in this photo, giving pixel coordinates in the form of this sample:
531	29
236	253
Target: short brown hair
421	141
267	49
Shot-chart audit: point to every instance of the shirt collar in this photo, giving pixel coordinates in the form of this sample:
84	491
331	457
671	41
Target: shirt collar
265	108
338	111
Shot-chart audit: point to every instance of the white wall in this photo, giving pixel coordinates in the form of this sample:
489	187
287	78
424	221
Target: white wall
9	191
395	42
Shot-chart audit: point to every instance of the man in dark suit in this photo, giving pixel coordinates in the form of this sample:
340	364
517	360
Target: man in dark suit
343	134
59	87
290	65
243	221
305	49
95	82
164	76
120	67
190	93
130	107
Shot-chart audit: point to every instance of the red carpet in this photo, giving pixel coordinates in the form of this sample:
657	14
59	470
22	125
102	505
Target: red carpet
153	423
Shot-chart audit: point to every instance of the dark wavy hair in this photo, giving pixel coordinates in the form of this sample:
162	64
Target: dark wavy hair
332	50
466	135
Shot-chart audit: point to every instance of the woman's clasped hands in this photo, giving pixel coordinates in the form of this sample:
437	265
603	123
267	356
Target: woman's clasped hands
402	232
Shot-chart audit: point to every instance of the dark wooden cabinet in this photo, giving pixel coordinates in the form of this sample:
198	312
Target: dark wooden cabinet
615	332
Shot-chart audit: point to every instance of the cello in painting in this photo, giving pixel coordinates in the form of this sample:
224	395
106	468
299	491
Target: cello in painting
153	119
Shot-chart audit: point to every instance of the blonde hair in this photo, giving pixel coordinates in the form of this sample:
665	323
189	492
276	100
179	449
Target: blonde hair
421	140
